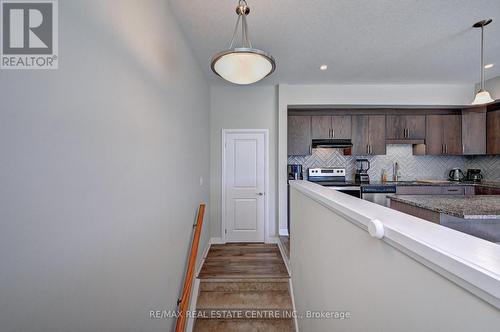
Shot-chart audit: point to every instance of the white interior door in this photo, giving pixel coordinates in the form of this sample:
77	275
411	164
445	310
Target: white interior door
244	180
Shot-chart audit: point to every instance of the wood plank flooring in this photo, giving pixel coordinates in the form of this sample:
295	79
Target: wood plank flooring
243	261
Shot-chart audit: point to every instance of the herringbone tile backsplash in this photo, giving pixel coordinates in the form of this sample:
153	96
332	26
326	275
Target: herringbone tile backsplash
411	167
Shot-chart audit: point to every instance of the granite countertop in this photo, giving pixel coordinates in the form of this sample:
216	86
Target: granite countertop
467	207
489	184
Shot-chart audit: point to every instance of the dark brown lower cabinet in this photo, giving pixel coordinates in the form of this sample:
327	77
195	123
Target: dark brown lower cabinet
487	191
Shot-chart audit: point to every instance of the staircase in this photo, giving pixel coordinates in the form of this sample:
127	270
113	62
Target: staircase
244	288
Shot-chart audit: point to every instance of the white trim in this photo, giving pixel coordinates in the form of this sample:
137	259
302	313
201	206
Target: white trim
192	305
285	259
290	287
284	232
471	263
273	239
216	240
294	308
196	286
266	178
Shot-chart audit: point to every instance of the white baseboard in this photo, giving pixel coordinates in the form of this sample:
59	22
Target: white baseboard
284	232
287	262
273	239
216	240
192	304
196	286
290	286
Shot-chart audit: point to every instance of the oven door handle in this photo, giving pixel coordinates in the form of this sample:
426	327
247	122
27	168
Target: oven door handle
345	188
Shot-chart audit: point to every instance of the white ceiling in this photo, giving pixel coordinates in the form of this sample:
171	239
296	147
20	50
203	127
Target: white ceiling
361	41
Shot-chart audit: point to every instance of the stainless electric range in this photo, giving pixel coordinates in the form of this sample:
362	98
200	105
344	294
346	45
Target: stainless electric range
334	178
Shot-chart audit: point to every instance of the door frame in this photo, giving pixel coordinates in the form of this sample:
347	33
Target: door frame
225	132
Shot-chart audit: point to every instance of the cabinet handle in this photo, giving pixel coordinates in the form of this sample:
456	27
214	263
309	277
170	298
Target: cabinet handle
367	149
446	148
407	133
333	133
310	150
442	148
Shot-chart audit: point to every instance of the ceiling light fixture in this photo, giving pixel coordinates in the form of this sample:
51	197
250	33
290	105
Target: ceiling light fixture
488	66
323	67
244	64
482	96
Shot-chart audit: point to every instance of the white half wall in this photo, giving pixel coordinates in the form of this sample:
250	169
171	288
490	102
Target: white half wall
245	107
100	172
337	266
416	94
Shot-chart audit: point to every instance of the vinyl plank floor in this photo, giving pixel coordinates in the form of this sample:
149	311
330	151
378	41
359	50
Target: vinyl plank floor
243	260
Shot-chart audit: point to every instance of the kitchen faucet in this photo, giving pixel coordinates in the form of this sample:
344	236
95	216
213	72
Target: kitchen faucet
396	175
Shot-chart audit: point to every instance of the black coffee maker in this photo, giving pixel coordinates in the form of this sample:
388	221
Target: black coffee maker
474	175
362	167
295	172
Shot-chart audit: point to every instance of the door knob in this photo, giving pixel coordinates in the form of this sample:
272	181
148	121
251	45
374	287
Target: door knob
260	194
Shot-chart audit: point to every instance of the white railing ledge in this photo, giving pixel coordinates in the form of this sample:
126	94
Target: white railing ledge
470	262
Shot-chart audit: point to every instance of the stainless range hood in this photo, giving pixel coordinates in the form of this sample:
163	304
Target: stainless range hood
331	143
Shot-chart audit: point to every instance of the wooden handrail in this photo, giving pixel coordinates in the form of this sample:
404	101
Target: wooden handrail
188	282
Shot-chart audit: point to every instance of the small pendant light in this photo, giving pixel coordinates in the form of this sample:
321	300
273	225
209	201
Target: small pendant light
245	64
482	96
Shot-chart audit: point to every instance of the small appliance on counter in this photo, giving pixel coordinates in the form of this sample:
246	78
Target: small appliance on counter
295	172
456	174
474	175
362	167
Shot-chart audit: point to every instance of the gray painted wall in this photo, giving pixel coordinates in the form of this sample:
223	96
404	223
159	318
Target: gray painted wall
381	287
100	172
493	87
247	107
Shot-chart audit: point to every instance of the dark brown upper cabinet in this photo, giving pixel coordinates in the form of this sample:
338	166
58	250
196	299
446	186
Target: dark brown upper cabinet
368	135
474	131
493	132
443	135
299	135
327	127
405	128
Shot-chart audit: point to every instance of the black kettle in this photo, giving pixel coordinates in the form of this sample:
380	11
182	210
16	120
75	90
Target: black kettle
456	174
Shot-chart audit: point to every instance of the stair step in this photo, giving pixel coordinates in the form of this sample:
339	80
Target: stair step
245	300
244	314
243	286
243	325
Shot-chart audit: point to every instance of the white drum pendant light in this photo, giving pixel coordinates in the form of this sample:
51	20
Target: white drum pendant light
245	64
482	96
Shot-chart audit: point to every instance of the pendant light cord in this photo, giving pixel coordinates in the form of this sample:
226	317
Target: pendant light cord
244	28
482	58
235	32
